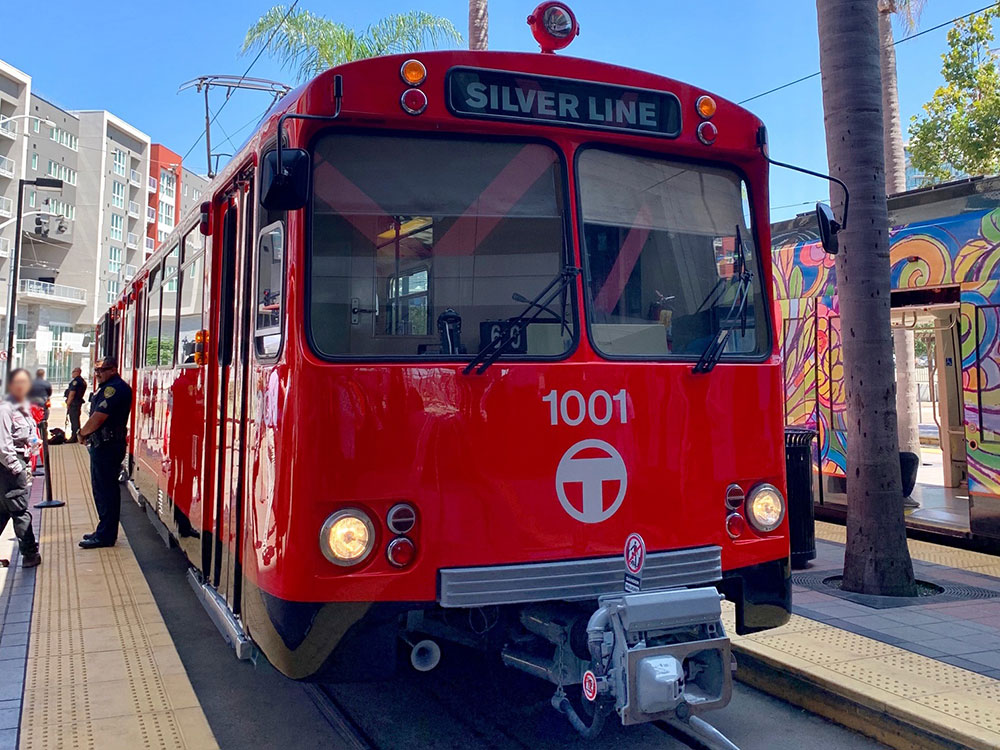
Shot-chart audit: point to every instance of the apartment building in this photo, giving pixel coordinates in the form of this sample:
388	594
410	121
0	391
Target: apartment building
121	195
15	93
114	174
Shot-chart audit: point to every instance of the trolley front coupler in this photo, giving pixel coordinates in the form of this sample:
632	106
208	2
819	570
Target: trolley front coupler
661	655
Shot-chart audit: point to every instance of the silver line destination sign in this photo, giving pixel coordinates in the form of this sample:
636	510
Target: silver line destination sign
501	95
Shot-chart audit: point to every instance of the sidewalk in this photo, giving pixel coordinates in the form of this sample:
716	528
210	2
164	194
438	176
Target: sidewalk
911	673
89	651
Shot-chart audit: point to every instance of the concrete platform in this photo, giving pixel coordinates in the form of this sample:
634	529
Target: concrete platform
98	667
919	675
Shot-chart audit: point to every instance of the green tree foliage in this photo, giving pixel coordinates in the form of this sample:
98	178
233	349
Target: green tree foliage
959	130
309	44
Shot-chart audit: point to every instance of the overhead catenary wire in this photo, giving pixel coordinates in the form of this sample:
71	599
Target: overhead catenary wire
245	74
898	41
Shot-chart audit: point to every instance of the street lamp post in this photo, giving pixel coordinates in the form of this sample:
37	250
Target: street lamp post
41	183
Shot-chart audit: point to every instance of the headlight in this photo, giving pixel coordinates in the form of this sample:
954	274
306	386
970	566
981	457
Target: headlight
347	537
765	507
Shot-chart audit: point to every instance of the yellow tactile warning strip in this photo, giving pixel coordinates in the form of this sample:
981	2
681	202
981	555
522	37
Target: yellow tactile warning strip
976	562
913	690
102	671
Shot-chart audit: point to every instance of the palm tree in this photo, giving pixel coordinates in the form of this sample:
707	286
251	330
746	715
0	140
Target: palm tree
479	25
309	44
907	405
876	560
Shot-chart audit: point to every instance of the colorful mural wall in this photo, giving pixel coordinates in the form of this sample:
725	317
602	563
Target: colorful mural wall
956	251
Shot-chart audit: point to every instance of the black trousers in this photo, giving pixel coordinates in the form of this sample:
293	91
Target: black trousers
74	418
14	492
105	467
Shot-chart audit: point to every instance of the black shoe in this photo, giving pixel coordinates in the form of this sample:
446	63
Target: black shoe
31	561
93	543
91	535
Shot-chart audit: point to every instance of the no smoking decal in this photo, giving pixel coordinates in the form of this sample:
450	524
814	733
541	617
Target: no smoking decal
589	685
635	558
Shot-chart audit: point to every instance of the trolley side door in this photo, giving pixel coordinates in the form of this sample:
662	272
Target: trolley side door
233	356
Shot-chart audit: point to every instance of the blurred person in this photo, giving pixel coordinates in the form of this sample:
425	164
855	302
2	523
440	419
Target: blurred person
18	441
105	434
41	392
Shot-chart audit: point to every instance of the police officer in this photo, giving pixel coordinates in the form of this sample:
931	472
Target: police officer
74	402
105	434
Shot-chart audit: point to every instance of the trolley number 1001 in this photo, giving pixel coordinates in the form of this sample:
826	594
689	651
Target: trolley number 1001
572	407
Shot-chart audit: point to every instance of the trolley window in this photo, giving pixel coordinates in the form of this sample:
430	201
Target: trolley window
414	239
152	351
270	288
662	257
191	282
168	318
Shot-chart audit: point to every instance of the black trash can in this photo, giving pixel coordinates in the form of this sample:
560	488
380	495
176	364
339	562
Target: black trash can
801	520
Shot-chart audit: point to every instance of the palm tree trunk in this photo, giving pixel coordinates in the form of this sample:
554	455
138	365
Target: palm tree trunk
907	406
877	560
479	23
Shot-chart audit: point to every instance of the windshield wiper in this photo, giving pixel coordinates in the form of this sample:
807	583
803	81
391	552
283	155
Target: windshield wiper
737	312
495	347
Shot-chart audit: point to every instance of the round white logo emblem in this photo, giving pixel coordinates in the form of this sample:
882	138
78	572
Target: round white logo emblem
605	465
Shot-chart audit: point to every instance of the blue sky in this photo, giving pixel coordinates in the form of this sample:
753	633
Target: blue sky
131	61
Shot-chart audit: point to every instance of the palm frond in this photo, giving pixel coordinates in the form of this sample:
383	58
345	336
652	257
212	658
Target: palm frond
299	41
408	32
908	12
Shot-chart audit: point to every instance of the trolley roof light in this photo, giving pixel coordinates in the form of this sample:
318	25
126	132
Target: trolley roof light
347	537
413	101
706	107
413	72
707	133
553	25
765	507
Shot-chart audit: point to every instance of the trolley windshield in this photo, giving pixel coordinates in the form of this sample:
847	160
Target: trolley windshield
662	257
420	246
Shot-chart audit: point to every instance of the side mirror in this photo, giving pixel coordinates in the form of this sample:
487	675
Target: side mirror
285	188
828	228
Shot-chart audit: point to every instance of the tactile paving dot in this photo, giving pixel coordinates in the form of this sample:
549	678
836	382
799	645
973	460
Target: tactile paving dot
824	645
909	675
94	610
977	705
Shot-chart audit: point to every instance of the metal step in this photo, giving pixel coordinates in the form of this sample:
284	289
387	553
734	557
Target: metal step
225	621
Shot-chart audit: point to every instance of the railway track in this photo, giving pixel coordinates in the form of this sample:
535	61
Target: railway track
467	702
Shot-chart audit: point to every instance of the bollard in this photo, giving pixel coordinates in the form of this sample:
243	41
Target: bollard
48	502
799	469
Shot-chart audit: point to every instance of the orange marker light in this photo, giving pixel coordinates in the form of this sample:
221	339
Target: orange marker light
706	106
413	72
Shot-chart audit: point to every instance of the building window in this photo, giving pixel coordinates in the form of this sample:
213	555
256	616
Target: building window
61	136
167	184
62	172
31	199
37	123
112	290
118	194
166	213
61	208
160	236
121	162
196	194
114	259
117	226
34	162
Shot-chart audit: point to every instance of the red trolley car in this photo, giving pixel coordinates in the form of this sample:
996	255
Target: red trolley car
451	328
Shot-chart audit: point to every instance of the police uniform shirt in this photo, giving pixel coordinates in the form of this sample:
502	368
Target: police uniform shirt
78	385
114	398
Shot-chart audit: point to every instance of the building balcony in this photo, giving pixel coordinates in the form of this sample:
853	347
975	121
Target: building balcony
150	215
128	272
7	166
4	247
8	128
134	177
151	185
133	209
132	241
6	207
150	245
55	294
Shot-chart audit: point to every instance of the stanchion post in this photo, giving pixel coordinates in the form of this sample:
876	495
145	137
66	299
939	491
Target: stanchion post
48	502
